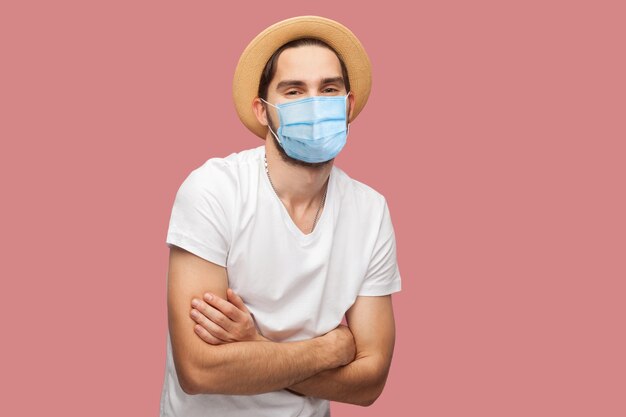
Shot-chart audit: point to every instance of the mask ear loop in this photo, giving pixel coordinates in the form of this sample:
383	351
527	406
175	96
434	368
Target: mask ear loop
267	102
268	122
347	115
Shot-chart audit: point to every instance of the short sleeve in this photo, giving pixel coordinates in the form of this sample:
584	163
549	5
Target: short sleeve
383	274
199	221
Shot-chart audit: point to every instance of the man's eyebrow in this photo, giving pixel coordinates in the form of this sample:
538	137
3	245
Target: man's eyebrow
334	80
290	83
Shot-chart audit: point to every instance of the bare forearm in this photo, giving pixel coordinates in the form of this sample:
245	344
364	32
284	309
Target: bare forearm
247	368
359	382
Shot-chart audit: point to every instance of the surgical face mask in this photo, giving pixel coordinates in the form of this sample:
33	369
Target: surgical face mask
312	129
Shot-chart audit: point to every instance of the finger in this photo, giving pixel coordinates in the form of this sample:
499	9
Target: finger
226	308
236	300
203	334
215	330
213	314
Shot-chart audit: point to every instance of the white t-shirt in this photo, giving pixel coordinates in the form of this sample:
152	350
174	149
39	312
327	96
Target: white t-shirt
297	286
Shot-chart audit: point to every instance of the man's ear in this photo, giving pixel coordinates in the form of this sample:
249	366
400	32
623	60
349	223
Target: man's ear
351	101
259	111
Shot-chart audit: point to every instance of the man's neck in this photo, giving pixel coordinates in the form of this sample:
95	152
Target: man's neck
297	186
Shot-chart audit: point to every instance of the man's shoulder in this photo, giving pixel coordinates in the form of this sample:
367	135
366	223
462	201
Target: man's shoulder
223	174
234	161
359	191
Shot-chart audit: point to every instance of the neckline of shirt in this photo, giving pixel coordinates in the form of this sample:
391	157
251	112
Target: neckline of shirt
295	230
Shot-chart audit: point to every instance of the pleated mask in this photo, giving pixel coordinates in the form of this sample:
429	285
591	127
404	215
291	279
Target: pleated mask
312	129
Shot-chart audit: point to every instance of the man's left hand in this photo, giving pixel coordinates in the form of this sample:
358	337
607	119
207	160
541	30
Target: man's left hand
224	321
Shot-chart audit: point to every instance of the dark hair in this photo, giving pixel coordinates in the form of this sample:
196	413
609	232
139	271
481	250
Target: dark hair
270	67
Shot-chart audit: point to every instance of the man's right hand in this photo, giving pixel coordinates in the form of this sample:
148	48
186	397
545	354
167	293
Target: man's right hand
341	344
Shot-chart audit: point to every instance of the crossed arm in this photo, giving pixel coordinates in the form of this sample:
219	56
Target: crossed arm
361	381
343	365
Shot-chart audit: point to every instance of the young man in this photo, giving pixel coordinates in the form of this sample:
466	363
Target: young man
271	247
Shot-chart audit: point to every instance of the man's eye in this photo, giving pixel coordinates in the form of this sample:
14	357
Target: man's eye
330	90
291	93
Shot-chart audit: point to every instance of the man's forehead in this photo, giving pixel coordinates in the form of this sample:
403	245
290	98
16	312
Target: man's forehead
308	62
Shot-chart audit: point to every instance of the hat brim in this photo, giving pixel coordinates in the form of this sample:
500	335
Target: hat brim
258	52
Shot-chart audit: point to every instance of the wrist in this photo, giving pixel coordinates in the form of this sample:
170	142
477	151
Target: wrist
260	338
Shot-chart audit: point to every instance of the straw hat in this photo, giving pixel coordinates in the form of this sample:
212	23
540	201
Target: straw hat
258	52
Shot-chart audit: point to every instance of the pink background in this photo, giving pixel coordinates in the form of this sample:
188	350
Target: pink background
496	132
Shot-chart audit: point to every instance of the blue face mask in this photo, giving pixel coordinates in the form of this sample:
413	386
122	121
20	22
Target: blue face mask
312	129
